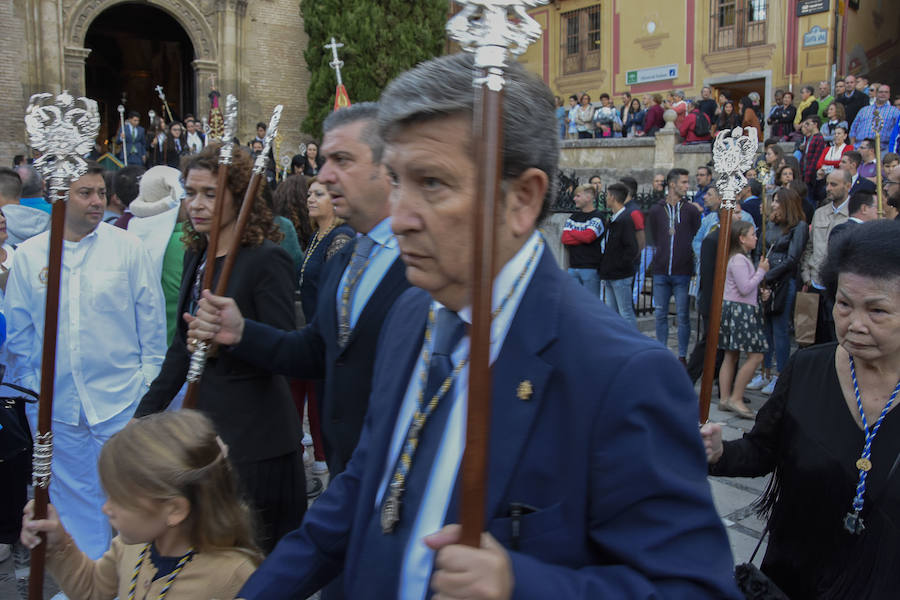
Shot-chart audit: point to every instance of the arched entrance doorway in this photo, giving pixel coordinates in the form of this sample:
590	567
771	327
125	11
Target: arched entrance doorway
134	48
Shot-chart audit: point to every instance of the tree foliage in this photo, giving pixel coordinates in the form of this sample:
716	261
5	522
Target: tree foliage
381	38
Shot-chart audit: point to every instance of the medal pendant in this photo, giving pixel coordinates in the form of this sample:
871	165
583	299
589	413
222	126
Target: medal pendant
854	523
390	514
864	464
671	231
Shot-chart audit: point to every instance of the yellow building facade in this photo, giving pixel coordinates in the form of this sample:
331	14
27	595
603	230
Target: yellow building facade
733	46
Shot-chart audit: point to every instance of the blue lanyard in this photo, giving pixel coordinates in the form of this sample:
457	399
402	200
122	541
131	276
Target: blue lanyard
852	521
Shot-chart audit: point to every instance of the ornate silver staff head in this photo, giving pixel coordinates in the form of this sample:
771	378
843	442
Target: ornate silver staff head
302	149
285	161
484	27
206	127
152	114
733	155
121	110
260	165
231	110
159	90
62	129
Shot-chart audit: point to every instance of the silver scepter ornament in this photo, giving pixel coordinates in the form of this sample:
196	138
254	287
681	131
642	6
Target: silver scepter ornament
733	155
62	129
260	165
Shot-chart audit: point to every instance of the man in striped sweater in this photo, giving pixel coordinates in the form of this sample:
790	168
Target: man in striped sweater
583	238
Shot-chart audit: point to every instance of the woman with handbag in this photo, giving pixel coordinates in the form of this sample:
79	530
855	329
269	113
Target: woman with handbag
786	237
831	439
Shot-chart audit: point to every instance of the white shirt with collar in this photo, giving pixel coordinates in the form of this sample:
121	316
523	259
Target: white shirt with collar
112	323
381	258
194	142
418	559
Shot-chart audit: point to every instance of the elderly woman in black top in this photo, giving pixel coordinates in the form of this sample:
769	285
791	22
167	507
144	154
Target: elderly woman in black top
831	437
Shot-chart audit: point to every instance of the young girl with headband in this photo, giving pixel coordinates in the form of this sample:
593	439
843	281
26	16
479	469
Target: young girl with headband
182	530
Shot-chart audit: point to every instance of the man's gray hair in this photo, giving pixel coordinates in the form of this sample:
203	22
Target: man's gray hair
442	87
32	184
754	96
363	111
678	94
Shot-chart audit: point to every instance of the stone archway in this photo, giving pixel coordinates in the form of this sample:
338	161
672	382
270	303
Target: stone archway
185	12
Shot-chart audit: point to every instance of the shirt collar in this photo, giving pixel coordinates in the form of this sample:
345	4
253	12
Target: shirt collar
839	208
505	280
382	234
617	213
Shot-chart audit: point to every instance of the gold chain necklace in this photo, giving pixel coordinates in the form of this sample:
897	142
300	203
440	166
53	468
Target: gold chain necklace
311	249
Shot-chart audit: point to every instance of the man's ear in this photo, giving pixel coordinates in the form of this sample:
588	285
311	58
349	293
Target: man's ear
524	201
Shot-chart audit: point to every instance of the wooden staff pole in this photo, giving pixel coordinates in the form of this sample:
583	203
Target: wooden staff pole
48	374
879	185
733	155
489	153
240	226
198	357
715	314
483	27
63	129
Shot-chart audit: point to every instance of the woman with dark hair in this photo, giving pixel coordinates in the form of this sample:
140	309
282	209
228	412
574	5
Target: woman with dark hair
835	116
830	437
786	237
728	118
782	117
289	201
251	408
808	106
584	118
634	118
174	146
309	162
831	158
785	175
748	116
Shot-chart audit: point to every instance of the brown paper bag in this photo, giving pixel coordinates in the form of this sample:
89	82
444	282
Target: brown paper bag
806	312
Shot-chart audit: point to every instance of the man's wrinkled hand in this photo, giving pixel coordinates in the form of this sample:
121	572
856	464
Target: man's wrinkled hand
218	319
483	573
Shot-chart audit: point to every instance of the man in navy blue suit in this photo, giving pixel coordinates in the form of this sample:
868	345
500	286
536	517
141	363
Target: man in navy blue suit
597	478
135	139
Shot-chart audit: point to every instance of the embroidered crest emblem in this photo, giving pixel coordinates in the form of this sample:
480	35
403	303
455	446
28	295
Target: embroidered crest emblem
524	390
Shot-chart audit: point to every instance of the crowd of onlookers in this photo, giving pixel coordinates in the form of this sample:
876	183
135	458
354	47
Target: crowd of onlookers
849	105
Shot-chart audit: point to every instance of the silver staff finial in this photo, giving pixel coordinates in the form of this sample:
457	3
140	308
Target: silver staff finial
484	27
260	165
733	155
228	131
62	129
335	63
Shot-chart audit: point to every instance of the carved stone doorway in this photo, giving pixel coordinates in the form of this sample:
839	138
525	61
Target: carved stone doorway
133	49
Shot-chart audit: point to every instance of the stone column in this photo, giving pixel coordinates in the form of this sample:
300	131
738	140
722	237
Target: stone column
74	69
664	152
202	70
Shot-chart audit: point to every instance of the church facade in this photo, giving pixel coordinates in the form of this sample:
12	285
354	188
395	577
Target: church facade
118	52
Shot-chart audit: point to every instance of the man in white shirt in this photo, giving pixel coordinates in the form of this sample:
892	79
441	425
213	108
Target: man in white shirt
195	139
110	345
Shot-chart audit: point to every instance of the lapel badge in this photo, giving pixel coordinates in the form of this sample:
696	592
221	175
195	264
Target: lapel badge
524	390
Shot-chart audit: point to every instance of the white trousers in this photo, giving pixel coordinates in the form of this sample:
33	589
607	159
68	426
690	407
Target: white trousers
75	488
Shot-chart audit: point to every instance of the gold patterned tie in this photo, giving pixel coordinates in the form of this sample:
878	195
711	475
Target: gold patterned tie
358	264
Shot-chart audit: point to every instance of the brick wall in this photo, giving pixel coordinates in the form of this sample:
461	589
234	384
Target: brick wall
12	71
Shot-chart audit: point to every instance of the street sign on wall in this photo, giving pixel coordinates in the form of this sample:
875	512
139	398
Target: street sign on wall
651	74
811	7
815	37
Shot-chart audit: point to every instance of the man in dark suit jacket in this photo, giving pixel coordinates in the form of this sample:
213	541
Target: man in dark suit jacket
135	139
852	99
588	450
355	291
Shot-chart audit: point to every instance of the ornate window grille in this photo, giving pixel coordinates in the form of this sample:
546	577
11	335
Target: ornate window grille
581	38
737	23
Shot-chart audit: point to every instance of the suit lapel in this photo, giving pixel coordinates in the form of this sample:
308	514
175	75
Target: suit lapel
394	276
519	382
187	280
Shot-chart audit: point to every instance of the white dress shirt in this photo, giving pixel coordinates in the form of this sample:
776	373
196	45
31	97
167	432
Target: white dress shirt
418	558
112	323
194	142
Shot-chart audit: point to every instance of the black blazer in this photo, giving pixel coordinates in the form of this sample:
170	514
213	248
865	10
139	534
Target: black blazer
621	249
313	353
251	408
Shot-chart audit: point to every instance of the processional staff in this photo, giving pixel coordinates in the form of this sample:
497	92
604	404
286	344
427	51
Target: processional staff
162	96
62	129
335	63
198	357
484	27
121	110
733	155
226	153
878	120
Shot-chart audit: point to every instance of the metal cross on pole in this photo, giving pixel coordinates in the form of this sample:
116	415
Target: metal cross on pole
62	129
733	155
485	28
335	63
